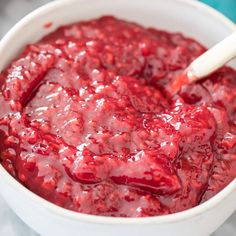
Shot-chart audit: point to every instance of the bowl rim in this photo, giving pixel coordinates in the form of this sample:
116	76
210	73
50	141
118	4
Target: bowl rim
82	217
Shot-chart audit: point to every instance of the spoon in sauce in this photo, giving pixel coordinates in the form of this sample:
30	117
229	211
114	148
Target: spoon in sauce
207	63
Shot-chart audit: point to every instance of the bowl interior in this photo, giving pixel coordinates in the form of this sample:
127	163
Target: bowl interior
190	18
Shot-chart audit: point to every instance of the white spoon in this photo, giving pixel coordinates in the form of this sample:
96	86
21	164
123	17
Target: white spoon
207	63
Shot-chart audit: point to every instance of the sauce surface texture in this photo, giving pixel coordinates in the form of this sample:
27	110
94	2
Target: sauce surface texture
86	123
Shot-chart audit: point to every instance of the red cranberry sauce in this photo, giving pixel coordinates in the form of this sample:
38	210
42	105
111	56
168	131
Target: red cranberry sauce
86	124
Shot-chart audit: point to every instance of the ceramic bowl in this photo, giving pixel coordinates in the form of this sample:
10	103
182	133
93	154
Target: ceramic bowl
189	17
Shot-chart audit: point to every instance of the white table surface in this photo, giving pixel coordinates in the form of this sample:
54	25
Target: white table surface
10	224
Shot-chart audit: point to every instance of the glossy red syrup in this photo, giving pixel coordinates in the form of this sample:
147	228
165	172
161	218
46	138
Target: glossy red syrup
86	124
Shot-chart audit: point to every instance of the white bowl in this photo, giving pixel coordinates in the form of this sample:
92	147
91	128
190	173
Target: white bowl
189	17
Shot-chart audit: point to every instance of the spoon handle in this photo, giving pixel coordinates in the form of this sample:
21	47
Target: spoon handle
214	58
